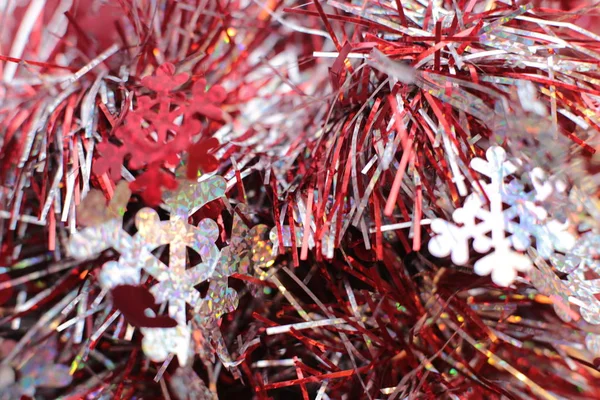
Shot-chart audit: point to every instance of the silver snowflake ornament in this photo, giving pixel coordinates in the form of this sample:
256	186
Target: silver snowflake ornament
502	221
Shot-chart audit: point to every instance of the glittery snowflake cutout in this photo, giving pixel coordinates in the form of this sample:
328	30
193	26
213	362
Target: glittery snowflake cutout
584	295
106	231
585	252
250	251
176	283
501	228
208	339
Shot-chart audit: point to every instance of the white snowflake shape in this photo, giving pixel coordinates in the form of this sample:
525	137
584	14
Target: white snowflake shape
492	225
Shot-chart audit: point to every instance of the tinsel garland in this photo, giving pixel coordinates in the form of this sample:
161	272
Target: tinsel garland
265	199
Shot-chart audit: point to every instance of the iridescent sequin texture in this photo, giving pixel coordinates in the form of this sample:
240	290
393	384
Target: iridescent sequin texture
174	285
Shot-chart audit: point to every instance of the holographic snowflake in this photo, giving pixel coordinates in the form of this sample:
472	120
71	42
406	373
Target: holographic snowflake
106	231
584	295
503	228
174	284
249	253
177	281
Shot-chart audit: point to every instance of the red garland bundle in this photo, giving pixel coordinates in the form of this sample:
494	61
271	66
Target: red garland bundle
309	168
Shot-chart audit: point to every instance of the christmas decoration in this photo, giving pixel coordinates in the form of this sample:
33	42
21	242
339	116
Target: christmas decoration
503	262
264	199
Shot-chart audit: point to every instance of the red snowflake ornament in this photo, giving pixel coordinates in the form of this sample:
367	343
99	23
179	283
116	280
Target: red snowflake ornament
200	159
111	160
154	135
208	102
150	184
164	80
159	130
